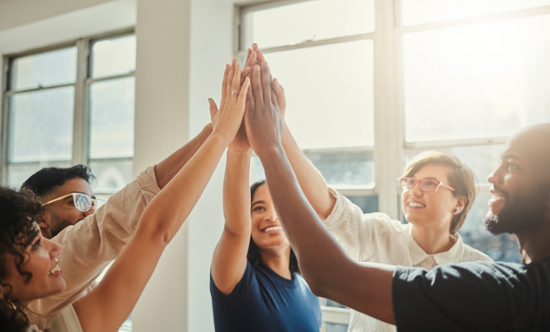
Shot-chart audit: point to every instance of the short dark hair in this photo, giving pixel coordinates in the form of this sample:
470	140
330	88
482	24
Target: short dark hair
18	211
46	179
253	255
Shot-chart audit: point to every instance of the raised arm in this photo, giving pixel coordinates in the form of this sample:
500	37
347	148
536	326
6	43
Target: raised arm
106	308
310	179
229	262
326	268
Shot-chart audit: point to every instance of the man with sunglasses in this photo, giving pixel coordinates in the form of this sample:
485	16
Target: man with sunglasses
66	195
91	236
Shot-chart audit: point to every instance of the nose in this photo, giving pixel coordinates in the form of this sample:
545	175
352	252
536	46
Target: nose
271	216
54	248
416	190
494	176
89	212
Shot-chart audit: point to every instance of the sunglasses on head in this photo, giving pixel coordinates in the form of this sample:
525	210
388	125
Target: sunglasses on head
81	201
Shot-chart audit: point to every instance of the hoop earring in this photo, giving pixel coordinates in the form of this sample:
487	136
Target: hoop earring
12	304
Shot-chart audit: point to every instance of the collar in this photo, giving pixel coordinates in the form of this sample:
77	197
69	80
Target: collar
418	254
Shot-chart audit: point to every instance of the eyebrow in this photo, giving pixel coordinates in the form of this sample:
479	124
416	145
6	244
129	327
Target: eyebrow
512	156
257	202
32	237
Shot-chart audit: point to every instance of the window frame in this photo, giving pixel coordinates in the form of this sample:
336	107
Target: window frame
389	105
81	110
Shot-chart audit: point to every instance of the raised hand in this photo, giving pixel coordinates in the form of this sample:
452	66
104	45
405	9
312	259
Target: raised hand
264	126
228	119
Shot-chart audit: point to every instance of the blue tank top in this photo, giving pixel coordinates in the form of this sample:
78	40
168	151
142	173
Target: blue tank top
264	301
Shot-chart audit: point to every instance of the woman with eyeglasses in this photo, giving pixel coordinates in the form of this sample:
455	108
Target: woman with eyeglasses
29	267
438	192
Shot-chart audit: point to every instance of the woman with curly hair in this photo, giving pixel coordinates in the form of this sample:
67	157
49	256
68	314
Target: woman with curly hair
28	262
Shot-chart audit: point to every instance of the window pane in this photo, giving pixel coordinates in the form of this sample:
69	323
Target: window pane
368	204
345	168
427	11
502	247
307	21
349	169
19	173
329	92
112	118
332	327
41	125
111	175
44	69
114	56
482	159
477	80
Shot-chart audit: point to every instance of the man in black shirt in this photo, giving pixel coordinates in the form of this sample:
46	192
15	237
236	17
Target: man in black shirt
460	297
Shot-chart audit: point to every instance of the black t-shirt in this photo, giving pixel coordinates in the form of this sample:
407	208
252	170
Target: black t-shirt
474	296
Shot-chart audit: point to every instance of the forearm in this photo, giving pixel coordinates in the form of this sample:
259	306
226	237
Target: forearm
174	203
236	192
170	166
323	263
310	179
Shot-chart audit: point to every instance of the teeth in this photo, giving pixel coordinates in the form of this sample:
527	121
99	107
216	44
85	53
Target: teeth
275	228
414	204
54	270
497	197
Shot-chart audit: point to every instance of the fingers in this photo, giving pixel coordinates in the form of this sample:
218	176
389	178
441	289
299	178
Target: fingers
213	108
243	94
250	105
236	84
257	86
266	84
280	93
229	85
224	85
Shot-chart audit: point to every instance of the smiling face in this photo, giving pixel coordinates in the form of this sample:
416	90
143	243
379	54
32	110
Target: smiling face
521	184
64	213
40	260
267	232
431	208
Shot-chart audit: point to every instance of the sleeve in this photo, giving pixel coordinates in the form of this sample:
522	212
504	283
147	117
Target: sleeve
238	292
359	234
457	297
91	244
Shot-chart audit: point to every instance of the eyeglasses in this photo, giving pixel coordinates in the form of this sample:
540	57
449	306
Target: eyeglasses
81	201
426	185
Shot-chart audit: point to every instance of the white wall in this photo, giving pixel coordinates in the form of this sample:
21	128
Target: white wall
182	46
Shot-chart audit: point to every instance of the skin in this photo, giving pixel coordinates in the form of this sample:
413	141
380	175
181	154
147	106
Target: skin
524	164
111	302
40	259
431	221
61	214
243	218
430	225
364	287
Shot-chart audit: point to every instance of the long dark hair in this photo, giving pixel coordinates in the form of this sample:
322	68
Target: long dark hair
253	255
18	211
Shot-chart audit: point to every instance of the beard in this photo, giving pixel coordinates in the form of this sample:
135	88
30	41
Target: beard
521	212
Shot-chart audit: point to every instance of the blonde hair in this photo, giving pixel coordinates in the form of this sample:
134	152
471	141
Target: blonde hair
460	175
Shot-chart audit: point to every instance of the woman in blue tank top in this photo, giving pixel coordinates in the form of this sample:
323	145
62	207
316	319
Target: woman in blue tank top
255	285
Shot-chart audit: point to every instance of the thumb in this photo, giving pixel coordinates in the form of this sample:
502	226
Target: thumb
213	108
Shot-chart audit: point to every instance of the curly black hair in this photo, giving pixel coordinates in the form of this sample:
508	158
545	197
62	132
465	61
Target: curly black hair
18	212
253	255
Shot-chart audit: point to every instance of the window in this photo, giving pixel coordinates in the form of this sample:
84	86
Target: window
71	104
372	83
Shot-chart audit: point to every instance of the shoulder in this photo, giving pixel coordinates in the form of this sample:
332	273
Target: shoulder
471	254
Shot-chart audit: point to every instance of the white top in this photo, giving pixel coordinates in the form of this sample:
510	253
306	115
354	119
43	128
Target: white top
375	237
66	321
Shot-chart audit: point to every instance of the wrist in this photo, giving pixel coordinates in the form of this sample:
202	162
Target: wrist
232	148
274	151
207	129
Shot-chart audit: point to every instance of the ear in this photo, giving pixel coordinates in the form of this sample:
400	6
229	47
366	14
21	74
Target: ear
44	224
460	204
